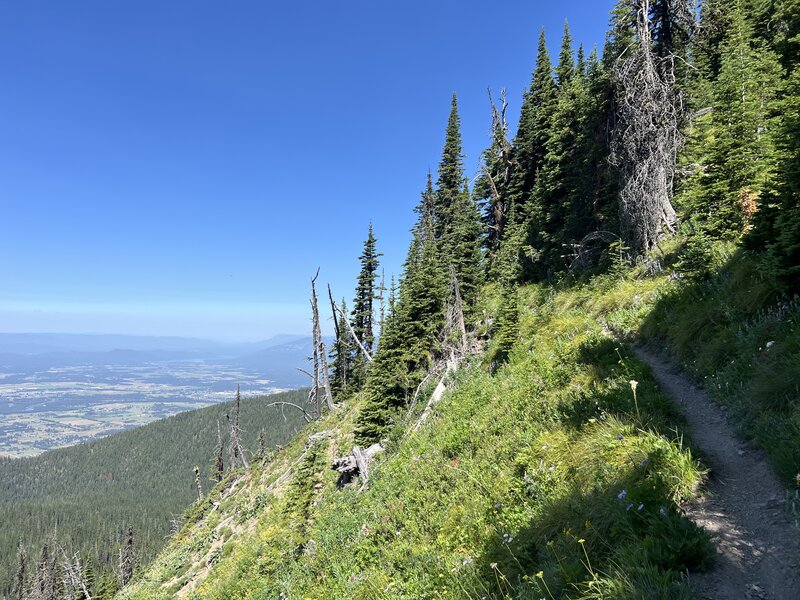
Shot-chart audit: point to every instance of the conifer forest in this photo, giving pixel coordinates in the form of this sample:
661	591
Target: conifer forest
584	383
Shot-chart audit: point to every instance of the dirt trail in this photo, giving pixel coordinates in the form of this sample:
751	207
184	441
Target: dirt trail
758	546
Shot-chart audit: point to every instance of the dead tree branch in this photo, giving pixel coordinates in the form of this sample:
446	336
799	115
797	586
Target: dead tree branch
308	417
364	351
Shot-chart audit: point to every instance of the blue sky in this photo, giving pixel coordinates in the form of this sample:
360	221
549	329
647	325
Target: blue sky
182	168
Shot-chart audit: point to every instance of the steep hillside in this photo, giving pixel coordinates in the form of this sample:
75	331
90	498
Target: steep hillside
88	495
561	473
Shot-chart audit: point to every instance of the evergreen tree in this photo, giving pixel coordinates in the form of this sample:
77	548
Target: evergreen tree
457	224
364	309
566	59
532	133
740	160
364	303
415	318
562	207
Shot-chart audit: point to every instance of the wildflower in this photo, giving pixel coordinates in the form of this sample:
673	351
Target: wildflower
770	344
551	469
630	506
581	541
663	511
633	383
641	507
797	479
645	462
619	437
493	565
544	447
540	574
623	494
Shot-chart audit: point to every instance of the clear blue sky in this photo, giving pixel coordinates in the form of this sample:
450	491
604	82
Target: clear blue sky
183	167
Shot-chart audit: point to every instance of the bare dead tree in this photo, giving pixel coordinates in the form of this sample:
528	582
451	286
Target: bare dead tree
197	483
73	581
127	560
498	163
219	464
646	138
20	579
237	457
333	312
320	356
454	325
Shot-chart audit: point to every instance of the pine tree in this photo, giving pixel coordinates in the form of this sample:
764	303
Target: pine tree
415	318
457	224
364	308
562	207
531	137
740	160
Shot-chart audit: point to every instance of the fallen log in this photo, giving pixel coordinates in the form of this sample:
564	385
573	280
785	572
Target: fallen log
355	464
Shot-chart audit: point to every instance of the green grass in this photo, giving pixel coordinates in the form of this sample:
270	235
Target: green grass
543	478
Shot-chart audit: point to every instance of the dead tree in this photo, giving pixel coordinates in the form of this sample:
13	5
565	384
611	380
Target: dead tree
646	137
219	451
18	592
237	458
197	483
497	166
355	464
73	580
454	326
320	357
127	560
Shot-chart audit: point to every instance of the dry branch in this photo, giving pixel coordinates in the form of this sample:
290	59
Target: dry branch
364	351
308	417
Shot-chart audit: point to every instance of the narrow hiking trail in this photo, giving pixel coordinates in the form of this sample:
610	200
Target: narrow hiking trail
742	507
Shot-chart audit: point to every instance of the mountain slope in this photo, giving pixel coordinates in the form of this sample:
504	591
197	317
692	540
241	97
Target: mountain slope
87	495
563	472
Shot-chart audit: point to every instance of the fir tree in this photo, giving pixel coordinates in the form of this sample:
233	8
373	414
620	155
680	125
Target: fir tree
740	159
561	210
566	59
364	308
457	225
412	326
532	134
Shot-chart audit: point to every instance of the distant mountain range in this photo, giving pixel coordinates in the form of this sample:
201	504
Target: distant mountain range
42	343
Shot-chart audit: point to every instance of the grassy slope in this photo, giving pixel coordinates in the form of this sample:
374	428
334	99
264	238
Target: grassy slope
546	478
143	477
